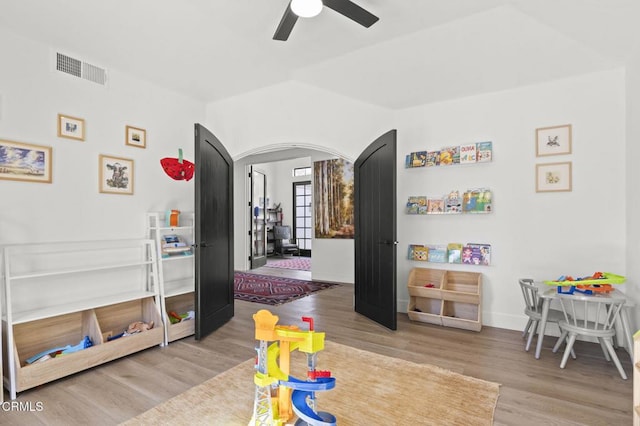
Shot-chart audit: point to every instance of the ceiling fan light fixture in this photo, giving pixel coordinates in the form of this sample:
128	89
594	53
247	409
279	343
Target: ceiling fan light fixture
306	8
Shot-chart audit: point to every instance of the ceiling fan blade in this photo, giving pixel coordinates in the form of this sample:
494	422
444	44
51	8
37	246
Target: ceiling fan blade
352	11
286	24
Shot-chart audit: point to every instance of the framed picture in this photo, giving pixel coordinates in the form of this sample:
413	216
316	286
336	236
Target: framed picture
555	140
21	161
136	137
70	127
553	177
116	175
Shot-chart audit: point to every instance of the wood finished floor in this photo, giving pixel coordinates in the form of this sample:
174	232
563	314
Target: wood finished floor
532	392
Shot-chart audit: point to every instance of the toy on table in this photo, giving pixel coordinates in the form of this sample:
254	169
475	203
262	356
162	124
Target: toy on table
272	372
599	282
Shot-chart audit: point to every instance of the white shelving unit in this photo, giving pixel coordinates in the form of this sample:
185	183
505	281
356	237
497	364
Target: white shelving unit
55	294
176	272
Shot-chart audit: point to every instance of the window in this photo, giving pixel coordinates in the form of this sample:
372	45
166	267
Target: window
302	193
302	171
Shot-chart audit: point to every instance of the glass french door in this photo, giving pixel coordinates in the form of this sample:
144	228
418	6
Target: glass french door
302	201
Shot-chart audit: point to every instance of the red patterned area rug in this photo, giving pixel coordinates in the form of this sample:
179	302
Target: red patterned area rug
273	290
297	263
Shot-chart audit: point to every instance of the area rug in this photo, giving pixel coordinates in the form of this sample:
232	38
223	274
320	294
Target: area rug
273	290
297	263
370	389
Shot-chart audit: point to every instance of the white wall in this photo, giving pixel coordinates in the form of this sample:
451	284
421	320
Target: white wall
632	177
281	183
71	208
299	115
536	235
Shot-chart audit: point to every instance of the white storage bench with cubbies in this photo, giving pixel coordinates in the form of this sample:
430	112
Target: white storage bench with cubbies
58	296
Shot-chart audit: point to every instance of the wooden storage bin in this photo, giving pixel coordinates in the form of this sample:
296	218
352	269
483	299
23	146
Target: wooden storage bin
115	319
34	337
462	287
425	309
180	304
419	277
461	315
454	301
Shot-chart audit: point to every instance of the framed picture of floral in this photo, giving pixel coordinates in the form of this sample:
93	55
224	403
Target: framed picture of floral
136	137
70	127
554	140
26	162
553	177
116	175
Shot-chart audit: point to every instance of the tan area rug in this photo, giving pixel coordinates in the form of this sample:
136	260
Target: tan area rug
370	389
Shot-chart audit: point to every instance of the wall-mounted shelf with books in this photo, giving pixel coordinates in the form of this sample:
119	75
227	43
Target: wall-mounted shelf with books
479	152
473	201
466	254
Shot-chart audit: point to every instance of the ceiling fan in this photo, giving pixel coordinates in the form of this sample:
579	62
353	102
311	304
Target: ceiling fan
310	8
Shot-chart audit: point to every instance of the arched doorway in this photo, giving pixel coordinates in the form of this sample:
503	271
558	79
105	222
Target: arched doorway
283	155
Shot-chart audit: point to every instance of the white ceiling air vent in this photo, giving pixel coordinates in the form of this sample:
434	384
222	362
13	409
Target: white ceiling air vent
78	68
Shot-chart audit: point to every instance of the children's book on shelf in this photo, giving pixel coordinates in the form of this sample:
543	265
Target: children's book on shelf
468	153
435	205
484	152
466	255
453	203
418	252
477	201
483	204
476	254
455	154
469	200
437	254
433	158
454	253
174	244
416	159
417	204
450	155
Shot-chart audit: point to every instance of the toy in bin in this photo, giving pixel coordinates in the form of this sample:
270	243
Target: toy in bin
599	282
174	244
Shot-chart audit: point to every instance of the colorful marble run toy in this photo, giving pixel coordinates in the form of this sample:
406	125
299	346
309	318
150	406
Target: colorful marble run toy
278	395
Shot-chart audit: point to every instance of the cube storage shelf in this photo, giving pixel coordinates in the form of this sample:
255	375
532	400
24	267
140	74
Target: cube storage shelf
176	272
56	294
442	297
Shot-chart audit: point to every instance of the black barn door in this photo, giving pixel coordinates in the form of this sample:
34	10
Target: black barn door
375	233
214	233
